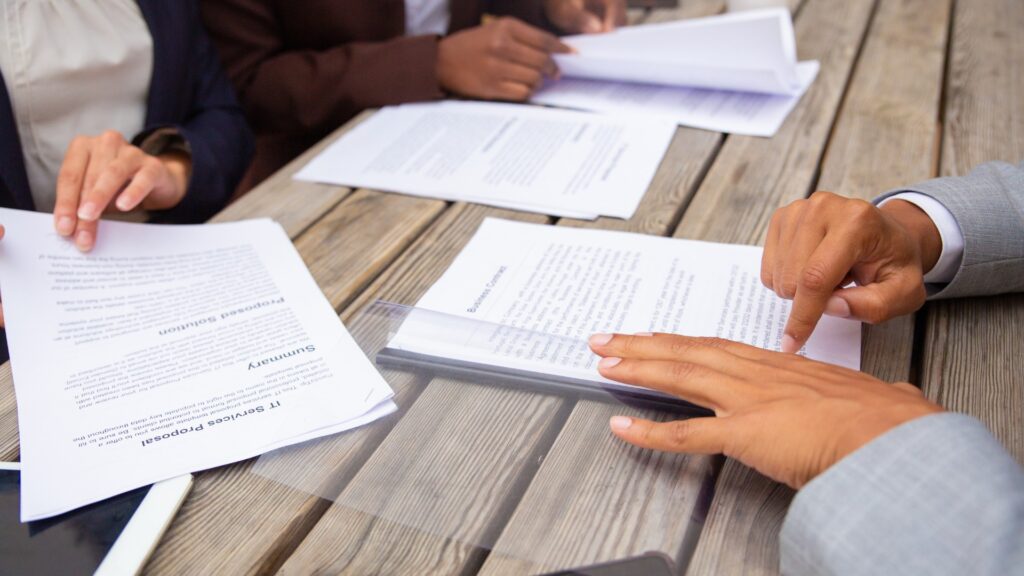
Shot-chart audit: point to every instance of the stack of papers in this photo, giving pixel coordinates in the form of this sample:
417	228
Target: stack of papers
167	350
556	286
733	73
555	162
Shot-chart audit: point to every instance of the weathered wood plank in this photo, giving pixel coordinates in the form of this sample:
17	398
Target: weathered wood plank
973	362
292	203
596	499
356	240
622	501
974	348
885	136
344	540
345	250
686	161
636	15
984	120
206	539
686	9
426	500
340	457
8	416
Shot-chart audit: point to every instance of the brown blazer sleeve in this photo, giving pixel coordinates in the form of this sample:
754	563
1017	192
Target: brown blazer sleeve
307	66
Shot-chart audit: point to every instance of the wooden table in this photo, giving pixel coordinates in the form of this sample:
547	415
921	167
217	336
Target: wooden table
908	89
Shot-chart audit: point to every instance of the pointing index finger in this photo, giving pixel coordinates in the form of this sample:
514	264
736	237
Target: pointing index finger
824	272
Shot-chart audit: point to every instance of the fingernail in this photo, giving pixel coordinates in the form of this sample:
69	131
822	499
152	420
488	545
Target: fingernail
65	225
789	344
123	203
837	307
84	240
600	339
88	211
644	334
621	422
609	362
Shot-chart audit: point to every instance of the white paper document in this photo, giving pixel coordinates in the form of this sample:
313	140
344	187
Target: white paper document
555	162
167	350
557	286
733	73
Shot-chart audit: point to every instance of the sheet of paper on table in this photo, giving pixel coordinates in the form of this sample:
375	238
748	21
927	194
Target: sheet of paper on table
558	285
167	350
733	73
555	162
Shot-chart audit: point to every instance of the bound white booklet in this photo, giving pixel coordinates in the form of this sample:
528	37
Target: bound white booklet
731	73
534	302
167	350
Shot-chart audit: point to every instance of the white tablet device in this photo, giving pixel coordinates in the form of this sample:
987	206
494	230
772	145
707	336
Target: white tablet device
114	536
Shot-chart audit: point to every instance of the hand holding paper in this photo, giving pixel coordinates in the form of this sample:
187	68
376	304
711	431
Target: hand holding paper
104	170
181	348
505	59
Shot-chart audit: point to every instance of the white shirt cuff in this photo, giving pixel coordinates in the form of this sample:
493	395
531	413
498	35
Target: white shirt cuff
948	264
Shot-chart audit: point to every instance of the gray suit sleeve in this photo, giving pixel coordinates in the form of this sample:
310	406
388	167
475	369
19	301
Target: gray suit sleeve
988	204
938	495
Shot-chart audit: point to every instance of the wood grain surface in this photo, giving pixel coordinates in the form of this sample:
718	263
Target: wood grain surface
885	135
292	203
752	176
343	541
346	249
460	479
8	416
973	357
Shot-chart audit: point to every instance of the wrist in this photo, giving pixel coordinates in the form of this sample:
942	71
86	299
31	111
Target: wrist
179	168
920	227
441	67
875	423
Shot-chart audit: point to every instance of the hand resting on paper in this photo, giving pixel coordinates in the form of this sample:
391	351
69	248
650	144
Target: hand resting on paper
816	246
586	16
105	171
786	416
505	59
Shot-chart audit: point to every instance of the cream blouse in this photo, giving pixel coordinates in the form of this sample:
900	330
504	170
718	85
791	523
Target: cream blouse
72	67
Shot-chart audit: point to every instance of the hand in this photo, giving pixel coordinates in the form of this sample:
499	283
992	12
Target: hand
105	169
504	59
817	246
586	16
788	417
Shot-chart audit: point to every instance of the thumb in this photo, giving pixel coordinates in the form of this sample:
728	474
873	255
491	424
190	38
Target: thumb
694	435
581	20
878	302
